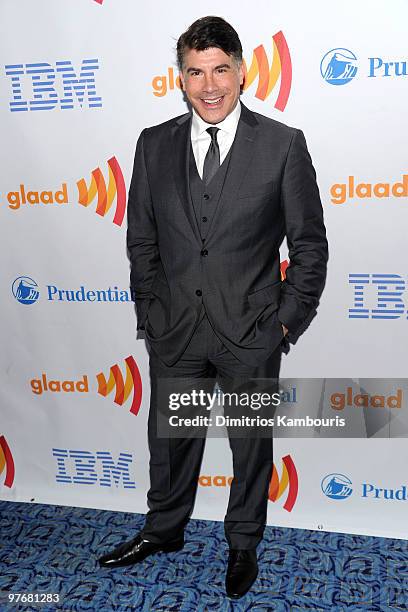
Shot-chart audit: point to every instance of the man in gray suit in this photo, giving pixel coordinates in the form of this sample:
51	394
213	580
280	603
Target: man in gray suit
213	194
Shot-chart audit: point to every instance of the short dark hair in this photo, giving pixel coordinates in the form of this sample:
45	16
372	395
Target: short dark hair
209	32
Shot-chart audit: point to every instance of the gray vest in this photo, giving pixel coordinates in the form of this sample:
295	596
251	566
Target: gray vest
205	197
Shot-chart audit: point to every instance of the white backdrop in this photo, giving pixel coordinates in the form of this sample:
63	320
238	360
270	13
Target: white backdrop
79	81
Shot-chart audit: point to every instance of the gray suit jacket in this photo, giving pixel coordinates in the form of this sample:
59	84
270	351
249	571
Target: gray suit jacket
270	191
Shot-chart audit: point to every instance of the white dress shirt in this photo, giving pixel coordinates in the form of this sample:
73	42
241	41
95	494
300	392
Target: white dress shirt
200	139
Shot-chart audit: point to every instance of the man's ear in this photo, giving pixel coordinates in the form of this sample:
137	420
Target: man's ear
241	74
181	80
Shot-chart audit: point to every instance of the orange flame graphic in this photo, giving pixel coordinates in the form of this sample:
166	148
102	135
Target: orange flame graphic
116	186
289	479
268	75
123	387
6	462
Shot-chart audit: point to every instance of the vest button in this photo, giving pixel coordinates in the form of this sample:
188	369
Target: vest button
204	219
199	292
204	253
206	196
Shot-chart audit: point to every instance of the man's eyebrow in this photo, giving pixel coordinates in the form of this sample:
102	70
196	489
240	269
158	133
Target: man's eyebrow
192	69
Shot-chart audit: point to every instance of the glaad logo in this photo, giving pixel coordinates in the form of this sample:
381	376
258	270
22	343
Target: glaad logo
123	387
85	467
206	480
338	66
276	486
6	462
342	192
116	186
29	198
346	399
386	289
21	197
267	73
289	480
25	290
337	486
43	384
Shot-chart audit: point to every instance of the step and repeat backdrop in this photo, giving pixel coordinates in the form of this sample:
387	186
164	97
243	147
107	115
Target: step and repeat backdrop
79	81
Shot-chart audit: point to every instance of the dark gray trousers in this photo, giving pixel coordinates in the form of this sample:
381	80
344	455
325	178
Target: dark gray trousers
175	462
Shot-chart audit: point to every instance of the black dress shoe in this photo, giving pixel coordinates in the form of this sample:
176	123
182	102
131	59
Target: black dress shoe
241	573
137	550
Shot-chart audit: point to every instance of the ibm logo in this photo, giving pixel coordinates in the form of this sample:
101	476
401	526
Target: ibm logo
43	78
386	289
84	467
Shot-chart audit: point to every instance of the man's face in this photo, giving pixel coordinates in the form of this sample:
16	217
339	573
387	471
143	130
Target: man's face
212	81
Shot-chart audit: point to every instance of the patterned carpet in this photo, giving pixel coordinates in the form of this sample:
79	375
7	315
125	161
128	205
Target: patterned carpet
53	549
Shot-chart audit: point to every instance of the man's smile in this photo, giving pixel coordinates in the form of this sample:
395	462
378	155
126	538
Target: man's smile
212	102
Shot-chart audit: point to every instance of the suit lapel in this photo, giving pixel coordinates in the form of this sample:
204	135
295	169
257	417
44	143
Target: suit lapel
181	160
241	155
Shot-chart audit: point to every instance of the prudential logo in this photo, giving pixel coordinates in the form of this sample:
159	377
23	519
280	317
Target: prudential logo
337	486
25	290
338	66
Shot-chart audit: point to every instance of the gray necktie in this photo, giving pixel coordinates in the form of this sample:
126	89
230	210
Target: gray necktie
212	159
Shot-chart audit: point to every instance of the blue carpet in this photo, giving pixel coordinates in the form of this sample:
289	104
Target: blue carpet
54	549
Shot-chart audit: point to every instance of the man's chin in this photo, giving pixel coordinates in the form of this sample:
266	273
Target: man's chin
211	115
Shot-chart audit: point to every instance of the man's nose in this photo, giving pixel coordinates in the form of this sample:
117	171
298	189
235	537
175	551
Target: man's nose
209	83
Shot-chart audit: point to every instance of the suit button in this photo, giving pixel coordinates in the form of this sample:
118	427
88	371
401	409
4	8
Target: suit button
199	292
206	196
204	253
204	219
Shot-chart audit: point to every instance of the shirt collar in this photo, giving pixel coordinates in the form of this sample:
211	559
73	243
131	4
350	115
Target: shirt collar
229	124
